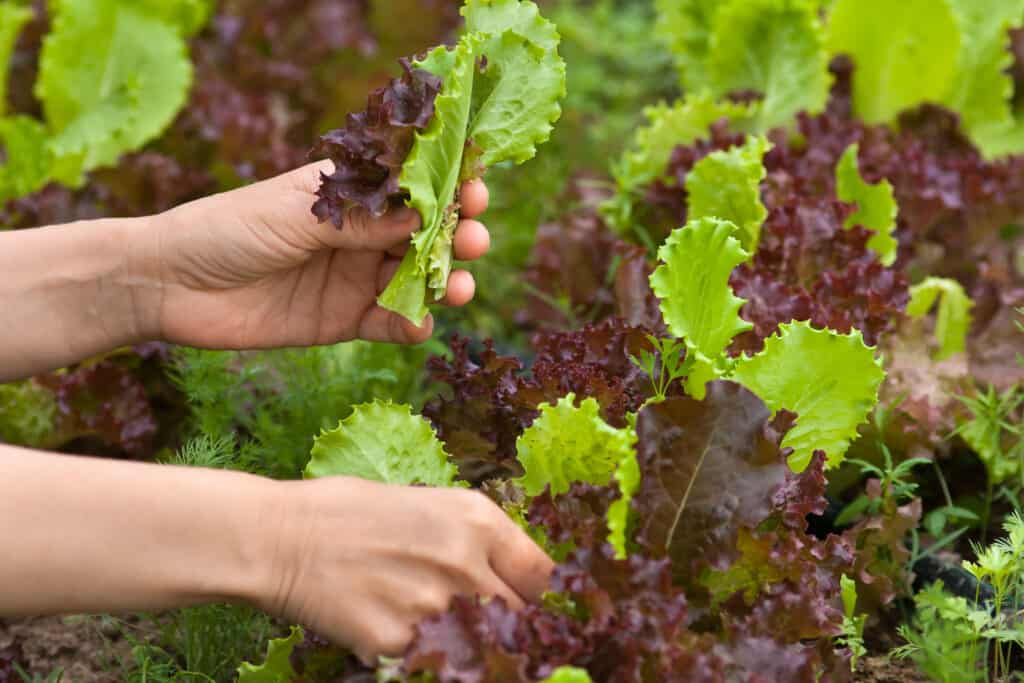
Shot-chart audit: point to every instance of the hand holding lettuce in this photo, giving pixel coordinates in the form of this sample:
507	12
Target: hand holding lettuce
452	115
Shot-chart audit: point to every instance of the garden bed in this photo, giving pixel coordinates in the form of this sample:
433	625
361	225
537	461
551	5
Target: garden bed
752	239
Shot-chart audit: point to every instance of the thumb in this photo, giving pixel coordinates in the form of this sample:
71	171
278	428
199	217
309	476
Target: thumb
360	230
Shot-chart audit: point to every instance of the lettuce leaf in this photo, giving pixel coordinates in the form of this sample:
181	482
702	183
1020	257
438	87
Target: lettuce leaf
876	205
112	77
647	157
697	303
983	88
775	47
28	414
431	176
627	476
568	674
502	85
905	53
29	161
727	185
523	18
368	153
709	468
829	380
383	442
953	321
685	26
277	667
188	15
13	17
569	444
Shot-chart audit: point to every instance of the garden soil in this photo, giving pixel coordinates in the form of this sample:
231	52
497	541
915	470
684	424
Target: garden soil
83	648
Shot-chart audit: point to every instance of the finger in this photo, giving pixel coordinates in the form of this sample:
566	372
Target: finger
471	240
491	586
390	639
387	271
362	231
461	288
307	178
381	325
474	198
400	250
520	563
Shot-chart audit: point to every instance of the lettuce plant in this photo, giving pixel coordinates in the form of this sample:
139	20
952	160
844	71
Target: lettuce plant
113	74
696	501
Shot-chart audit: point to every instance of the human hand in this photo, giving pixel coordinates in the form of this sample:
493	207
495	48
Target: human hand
364	580
252	268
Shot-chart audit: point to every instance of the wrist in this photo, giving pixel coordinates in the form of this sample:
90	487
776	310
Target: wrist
265	558
254	539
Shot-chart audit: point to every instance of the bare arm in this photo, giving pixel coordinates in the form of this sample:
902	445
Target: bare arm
70	292
251	268
89	535
356	561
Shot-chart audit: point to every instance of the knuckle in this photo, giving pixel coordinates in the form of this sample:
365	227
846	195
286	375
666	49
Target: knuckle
460	559
390	640
357	220
432	600
481	512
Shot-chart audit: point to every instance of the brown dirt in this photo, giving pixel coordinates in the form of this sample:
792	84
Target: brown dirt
879	669
86	649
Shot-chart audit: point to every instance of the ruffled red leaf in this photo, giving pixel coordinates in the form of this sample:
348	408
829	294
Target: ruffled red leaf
369	151
491	401
106	402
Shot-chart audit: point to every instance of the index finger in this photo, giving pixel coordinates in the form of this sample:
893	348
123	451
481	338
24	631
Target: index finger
474	197
521	563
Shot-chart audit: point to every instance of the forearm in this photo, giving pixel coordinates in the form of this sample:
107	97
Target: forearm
87	535
71	292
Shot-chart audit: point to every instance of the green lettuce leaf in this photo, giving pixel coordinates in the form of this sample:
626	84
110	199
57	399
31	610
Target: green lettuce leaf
568	674
430	175
505	125
667	127
983	88
28	414
28	157
648	155
188	15
685	26
384	442
954	317
523	18
727	185
111	78
627	476
905	53
277	667
502	84
567	444
31	162
828	379
876	205
13	17
697	303
776	47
